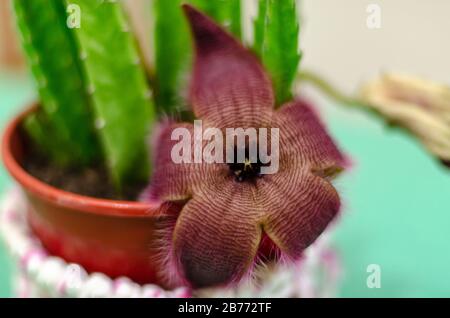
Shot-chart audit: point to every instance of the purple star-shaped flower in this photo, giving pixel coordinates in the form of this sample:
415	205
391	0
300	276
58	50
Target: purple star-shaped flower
218	235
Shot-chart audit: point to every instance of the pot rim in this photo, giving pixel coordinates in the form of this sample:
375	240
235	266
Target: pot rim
63	198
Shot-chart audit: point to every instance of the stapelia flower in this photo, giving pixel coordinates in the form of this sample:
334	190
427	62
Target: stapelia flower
420	106
226	219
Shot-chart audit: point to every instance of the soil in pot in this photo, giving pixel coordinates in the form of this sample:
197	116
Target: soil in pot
93	181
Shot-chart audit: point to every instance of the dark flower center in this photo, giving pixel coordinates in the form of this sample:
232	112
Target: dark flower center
249	170
246	171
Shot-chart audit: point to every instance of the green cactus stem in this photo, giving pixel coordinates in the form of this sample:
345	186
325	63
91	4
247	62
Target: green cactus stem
118	87
276	41
225	12
173	47
172	55
66	134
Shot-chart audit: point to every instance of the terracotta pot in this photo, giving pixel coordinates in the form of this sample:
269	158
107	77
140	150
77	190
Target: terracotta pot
112	237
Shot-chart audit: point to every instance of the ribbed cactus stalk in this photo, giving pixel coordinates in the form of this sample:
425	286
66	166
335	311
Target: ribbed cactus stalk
276	41
117	85
172	45
225	12
63	127
172	54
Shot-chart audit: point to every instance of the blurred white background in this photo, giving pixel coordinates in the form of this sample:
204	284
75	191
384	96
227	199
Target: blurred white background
413	38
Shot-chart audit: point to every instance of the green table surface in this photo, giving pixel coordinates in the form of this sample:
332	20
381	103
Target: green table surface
396	205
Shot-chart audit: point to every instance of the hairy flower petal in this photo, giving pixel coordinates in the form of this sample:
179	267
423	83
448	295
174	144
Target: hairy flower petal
229	86
305	141
217	234
177	181
299	206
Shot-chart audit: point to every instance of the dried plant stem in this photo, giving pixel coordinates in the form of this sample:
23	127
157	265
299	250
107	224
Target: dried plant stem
326	87
426	124
331	91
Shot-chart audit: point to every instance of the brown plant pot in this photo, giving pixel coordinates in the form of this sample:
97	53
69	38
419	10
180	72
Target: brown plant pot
112	237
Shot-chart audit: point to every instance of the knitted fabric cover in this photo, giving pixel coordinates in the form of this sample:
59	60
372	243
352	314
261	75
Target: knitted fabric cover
38	274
